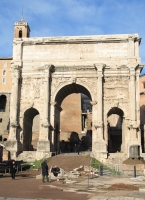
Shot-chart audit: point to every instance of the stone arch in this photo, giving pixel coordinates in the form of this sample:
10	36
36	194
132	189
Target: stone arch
61	93
115	110
114	128
29	116
69	89
25	108
3	100
79	82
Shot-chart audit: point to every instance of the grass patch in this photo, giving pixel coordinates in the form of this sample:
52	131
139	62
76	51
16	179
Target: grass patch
96	164
35	165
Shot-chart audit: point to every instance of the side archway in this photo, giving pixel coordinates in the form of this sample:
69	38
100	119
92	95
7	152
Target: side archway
114	128
30	116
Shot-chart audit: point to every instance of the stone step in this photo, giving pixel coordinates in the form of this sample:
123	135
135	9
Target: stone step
68	163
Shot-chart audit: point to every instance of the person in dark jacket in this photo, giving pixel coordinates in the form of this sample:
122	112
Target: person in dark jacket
44	167
55	170
13	169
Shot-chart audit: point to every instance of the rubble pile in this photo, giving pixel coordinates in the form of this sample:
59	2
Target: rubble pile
74	174
83	171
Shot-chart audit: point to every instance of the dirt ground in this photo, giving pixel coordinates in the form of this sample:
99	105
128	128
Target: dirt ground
122	186
27	186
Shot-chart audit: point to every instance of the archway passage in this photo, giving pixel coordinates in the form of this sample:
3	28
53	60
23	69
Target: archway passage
73	121
28	127
115	120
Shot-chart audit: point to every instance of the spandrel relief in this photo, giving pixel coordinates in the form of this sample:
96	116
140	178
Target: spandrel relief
116	87
90	82
32	88
56	82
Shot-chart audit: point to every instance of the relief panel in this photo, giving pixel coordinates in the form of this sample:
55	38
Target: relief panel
116	88
32	91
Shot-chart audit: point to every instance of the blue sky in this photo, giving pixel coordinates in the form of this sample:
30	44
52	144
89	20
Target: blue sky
72	17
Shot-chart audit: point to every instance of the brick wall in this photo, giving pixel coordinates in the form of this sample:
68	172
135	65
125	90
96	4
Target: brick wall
70	116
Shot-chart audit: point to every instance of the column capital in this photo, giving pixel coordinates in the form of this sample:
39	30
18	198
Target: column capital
14	124
132	66
99	66
15	71
48	68
53	103
137	39
15	68
45	124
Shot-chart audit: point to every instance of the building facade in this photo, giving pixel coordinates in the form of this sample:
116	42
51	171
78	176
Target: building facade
5	91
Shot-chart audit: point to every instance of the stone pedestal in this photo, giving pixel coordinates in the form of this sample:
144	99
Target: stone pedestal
15	147
43	146
134	151
42	154
100	148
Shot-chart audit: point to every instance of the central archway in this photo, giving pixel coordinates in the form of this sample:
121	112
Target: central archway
72	119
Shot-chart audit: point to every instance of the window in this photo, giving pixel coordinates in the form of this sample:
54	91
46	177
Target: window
3	80
0	120
5	64
20	34
4	72
143	85
2	103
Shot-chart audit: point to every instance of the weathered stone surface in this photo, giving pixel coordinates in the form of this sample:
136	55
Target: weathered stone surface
46	70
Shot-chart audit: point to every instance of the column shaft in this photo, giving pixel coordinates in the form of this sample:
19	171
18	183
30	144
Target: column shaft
99	97
132	90
46	98
15	73
14	95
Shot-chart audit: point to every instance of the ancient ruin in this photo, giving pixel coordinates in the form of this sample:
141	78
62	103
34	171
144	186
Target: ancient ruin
45	71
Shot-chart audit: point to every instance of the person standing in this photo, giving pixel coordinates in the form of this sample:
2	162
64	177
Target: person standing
79	146
44	167
13	169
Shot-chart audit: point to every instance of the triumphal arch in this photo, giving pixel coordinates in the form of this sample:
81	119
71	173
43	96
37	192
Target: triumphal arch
44	71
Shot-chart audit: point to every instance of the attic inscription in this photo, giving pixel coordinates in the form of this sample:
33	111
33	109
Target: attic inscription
75	51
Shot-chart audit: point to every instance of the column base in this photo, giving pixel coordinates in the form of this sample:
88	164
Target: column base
99	148
14	146
43	146
42	155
